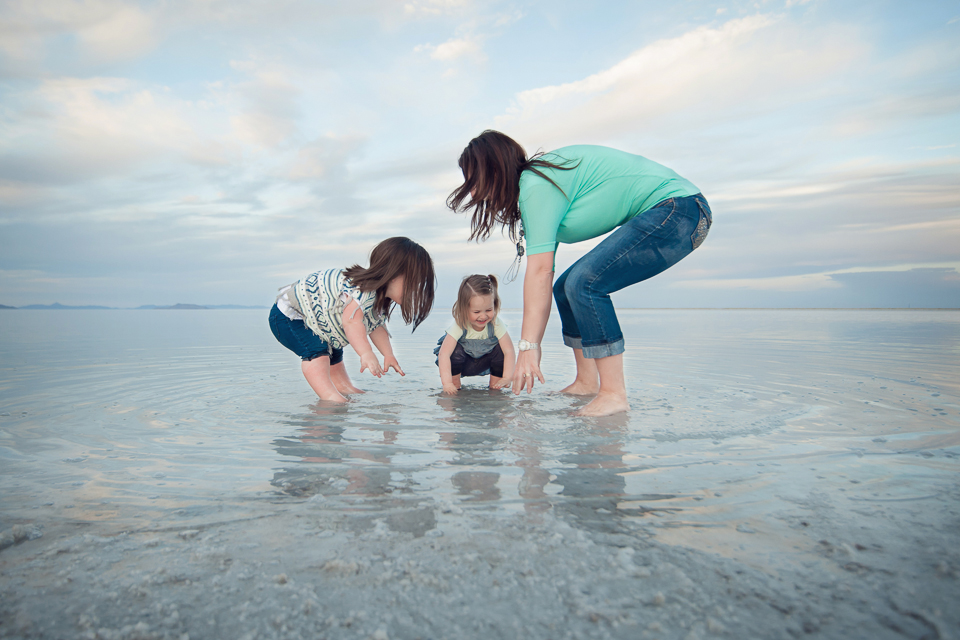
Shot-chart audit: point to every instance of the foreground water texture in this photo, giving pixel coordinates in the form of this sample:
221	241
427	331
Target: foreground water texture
782	474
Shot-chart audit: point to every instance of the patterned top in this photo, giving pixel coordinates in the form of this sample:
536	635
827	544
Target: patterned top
322	297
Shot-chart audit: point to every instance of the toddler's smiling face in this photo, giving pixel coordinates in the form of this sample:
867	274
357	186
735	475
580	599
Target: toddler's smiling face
480	311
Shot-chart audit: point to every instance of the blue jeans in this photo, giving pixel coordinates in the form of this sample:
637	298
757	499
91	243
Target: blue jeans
641	248
296	336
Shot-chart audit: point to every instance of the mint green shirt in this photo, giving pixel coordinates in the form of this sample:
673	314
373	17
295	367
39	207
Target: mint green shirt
605	190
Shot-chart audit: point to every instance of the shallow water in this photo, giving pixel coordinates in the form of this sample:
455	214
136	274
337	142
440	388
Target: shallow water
160	419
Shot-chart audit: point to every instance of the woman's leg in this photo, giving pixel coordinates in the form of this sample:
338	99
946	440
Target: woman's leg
587	382
317	373
638	250
612	396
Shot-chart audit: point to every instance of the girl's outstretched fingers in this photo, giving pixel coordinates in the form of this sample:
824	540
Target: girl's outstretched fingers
391	362
369	361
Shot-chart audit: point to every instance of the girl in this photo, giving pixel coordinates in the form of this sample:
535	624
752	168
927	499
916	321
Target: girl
573	194
477	343
317	316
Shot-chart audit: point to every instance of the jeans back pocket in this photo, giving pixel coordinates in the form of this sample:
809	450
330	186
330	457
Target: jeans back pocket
703	226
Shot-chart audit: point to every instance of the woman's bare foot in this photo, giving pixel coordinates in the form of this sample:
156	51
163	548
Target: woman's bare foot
581	388
604	404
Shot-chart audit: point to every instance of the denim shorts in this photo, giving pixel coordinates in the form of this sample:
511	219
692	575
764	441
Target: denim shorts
296	336
642	247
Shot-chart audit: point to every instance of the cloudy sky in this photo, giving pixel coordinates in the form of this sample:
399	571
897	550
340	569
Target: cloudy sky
210	151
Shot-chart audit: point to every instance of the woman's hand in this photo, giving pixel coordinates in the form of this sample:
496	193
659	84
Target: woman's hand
390	362
369	361
528	368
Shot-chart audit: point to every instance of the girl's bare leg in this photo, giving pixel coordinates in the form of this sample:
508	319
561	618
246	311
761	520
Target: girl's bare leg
587	382
341	380
456	381
317	373
612	397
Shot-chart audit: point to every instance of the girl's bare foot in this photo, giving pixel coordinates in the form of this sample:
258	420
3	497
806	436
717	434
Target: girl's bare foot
333	397
348	389
604	404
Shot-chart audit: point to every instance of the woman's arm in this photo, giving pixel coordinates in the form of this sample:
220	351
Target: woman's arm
443	359
537	299
381	340
356	333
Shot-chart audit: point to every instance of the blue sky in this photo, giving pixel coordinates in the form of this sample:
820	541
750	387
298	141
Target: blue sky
211	151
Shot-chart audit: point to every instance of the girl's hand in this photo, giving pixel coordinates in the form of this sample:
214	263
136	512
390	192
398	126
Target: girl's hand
450	389
391	362
528	368
370	361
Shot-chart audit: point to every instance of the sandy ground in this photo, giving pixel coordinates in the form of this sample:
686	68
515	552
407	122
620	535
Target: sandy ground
300	570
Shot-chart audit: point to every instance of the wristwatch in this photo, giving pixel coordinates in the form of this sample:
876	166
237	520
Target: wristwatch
523	345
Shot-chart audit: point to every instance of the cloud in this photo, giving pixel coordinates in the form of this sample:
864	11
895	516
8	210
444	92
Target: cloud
469	47
102	30
816	281
68	130
688	82
435	7
269	104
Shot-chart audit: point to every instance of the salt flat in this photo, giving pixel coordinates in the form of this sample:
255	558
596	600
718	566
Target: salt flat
782	473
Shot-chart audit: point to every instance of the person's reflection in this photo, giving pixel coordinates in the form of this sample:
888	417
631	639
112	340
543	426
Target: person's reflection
534	478
481	410
594	487
321	443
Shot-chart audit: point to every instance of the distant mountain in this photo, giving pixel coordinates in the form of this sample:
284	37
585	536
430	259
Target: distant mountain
234	306
57	305
197	306
181	305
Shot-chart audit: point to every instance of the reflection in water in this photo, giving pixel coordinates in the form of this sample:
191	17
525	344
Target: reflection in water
179	418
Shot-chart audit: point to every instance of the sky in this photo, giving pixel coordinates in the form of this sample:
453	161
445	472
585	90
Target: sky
211	151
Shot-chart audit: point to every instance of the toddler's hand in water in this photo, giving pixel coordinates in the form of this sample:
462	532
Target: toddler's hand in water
450	389
391	361
370	361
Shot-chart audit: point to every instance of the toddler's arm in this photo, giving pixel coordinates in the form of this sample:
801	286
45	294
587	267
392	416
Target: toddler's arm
357	337
509	361
443	358
381	339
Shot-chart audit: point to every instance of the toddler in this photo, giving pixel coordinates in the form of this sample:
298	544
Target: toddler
477	343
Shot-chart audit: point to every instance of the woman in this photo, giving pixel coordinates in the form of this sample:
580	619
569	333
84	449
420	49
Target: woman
570	195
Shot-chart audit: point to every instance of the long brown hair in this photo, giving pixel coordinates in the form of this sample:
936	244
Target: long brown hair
390	259
491	166
475	285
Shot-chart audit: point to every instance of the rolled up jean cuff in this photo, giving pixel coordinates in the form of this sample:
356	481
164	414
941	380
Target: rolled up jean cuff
573	343
604	350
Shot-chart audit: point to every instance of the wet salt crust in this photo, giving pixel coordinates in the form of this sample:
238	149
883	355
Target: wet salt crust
168	474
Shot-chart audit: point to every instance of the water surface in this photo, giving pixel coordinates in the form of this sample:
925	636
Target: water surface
160	419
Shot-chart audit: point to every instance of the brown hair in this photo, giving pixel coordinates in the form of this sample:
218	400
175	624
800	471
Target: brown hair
491	166
390	259
475	285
